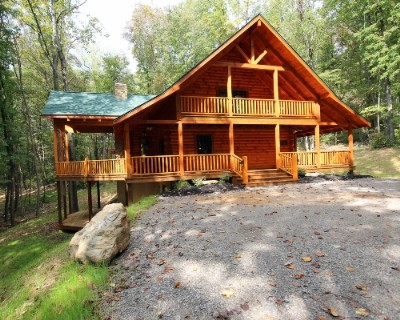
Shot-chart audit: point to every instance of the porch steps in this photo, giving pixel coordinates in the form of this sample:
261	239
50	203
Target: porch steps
265	177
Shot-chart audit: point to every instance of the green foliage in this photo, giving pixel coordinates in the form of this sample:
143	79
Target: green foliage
38	280
225	178
169	42
198	181
135	209
182	184
301	172
380	140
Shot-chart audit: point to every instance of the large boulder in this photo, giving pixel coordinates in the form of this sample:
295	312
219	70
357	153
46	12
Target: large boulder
106	235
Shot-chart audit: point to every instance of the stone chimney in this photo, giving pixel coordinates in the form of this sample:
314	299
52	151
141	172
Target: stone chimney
121	91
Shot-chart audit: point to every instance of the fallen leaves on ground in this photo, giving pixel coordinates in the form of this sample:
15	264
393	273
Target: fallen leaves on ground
227	293
307	259
362	312
244	306
320	254
299	275
333	312
178	285
361	287
289	265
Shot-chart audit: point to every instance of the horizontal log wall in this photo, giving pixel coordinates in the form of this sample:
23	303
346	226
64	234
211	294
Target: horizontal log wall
219	134
258	144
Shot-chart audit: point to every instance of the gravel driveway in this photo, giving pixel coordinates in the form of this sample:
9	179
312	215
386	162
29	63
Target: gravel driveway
320	250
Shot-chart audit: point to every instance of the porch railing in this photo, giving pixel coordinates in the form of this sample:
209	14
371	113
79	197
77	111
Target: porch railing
143	165
326	158
91	168
288	163
220	106
170	164
206	162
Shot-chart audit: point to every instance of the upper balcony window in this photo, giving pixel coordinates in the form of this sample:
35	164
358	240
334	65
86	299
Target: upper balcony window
235	93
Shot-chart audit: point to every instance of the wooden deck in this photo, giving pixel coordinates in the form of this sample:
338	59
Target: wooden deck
175	167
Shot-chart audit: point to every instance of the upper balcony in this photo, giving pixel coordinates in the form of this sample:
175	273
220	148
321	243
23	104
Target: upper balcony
247	107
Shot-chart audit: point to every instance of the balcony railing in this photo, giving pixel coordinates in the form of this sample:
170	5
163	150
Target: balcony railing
217	106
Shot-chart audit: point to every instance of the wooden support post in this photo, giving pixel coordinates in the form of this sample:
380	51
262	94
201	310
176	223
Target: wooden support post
276	94
277	146
229	91
178	107
295	171
66	146
89	194
127	150
126	193
317	146
245	172
98	194
180	141
59	203
55	146
351	148
231	145
64	197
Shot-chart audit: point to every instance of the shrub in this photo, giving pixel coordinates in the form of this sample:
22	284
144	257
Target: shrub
301	172
182	184
198	181
380	140
225	178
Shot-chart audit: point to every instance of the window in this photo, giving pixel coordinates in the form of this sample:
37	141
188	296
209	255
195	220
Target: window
235	93
204	144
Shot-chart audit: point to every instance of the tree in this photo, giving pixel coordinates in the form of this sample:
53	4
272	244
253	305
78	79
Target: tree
366	52
169	42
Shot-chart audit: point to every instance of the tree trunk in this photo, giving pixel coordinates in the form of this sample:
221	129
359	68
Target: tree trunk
389	103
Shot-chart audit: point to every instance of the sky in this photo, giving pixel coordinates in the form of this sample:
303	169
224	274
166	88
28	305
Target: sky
114	16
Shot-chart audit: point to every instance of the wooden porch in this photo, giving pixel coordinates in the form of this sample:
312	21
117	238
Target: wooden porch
174	167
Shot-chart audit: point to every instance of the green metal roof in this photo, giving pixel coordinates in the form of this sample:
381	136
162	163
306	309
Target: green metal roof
64	103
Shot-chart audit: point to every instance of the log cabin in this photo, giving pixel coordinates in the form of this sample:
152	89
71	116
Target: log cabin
240	111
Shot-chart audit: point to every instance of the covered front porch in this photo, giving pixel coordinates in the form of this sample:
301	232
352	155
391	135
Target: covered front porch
175	167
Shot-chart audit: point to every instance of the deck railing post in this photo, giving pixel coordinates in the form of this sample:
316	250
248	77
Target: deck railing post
294	167
86	167
180	140
245	173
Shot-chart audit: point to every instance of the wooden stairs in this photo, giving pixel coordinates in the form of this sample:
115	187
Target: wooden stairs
265	177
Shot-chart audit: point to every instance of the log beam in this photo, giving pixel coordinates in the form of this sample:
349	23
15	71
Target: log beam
248	66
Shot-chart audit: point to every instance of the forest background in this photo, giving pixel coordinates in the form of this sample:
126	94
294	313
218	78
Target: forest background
354	46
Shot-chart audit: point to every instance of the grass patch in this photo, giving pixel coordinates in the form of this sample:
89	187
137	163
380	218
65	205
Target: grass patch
38	280
384	163
135	209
